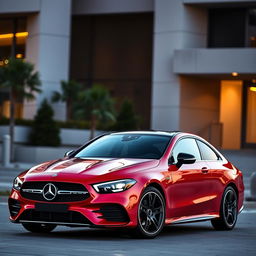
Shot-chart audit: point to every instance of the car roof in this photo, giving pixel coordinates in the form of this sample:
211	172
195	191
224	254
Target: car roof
152	132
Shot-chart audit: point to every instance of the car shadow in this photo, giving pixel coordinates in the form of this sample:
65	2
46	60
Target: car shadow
187	229
116	234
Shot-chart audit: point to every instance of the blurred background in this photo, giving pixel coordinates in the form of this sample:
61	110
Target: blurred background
73	69
185	65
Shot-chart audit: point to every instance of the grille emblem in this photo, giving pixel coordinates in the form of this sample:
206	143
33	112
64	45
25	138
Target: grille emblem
49	191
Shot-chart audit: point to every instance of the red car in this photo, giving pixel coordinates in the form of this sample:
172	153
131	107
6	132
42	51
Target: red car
138	180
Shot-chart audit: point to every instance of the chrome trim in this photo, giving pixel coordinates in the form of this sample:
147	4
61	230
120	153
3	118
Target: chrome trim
241	209
194	219
70	192
30	190
55	223
60	192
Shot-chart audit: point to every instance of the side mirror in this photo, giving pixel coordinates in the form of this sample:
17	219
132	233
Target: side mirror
68	153
184	158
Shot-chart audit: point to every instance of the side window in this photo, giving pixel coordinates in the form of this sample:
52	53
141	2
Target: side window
188	146
206	152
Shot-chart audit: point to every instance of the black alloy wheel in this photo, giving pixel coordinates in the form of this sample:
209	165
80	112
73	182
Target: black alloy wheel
151	213
228	211
39	228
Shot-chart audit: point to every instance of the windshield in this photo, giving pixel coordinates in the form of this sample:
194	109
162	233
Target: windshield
127	146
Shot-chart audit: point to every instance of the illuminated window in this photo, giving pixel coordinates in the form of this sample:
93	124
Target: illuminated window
251	115
11	46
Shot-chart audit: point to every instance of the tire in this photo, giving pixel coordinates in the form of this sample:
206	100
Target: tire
151	214
39	228
228	211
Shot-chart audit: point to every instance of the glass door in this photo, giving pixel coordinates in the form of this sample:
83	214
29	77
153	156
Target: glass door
249	115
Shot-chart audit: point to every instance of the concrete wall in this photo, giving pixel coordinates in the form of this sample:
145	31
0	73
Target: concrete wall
30	154
20	6
21	133
71	137
48	48
176	26
35	155
222	61
111	6
230	113
217	1
199	105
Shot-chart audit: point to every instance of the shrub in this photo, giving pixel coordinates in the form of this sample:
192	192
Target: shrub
45	131
126	119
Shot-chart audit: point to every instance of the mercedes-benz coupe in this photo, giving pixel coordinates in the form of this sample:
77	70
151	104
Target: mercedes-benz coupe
137	180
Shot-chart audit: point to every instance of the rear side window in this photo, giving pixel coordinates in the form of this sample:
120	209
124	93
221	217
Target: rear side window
187	145
206	152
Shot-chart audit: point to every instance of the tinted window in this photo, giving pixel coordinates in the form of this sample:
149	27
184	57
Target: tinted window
188	146
206	152
127	146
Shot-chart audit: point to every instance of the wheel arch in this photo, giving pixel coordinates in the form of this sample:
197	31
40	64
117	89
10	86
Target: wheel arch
158	187
233	185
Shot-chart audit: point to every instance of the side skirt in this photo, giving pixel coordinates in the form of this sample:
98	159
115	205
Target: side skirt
193	219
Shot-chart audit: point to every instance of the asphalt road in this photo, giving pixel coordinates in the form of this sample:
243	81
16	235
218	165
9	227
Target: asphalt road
190	239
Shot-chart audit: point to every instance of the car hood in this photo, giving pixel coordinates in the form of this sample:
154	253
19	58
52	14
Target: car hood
81	168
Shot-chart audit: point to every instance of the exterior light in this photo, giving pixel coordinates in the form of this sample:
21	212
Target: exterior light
22	34
254	81
234	74
6	61
19	55
7	36
253	88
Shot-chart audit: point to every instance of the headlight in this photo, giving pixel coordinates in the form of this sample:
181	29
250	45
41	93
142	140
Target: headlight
17	183
114	186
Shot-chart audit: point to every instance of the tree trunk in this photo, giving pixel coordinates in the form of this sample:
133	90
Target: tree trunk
69	109
93	127
12	122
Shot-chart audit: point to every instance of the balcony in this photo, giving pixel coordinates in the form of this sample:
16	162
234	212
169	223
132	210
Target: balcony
219	61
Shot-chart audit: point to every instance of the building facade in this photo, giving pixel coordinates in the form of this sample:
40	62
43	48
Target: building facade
186	64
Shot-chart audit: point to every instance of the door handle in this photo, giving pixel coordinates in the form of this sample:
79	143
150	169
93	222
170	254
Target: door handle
204	170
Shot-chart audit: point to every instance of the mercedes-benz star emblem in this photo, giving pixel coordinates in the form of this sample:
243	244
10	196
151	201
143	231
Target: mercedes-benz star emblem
49	191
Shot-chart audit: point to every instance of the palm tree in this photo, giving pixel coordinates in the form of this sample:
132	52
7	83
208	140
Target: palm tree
97	105
23	82
70	90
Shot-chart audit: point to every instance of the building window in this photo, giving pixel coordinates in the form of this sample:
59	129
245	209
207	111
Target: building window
232	27
116	52
13	37
251	40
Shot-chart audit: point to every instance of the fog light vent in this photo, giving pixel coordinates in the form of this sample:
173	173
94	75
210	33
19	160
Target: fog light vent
14	207
113	212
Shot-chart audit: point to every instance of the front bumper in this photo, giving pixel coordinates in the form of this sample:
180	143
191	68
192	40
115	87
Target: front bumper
105	210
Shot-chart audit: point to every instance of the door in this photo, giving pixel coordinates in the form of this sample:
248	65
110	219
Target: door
249	115
217	173
190	187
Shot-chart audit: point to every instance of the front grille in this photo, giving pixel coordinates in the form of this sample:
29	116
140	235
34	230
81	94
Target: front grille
14	207
65	192
113	212
69	217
